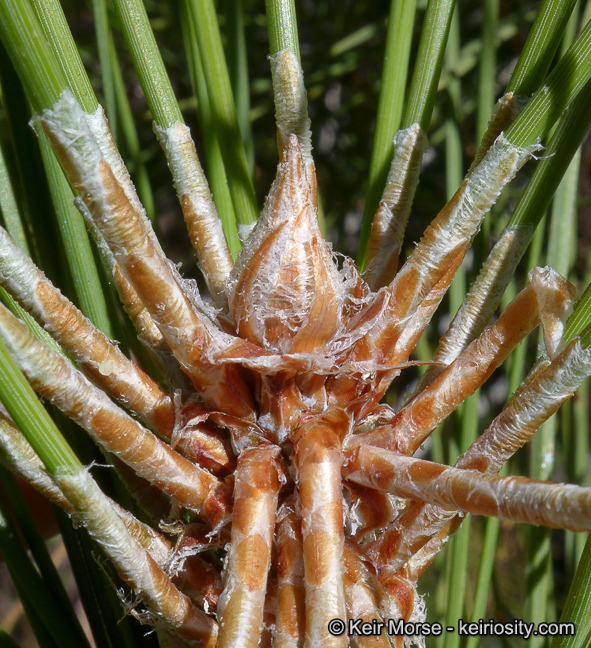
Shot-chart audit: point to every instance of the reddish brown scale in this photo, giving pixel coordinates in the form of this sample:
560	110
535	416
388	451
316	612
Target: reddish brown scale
202	441
370	510
281	402
402	593
207	447
200	581
313	388
362	599
198	535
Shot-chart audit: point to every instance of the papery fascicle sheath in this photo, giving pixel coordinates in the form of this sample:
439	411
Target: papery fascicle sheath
291	109
18	455
548	386
547	298
483	298
362	600
504	113
389	223
195	577
259	477
318	461
290	620
563	506
147	331
444	242
203	224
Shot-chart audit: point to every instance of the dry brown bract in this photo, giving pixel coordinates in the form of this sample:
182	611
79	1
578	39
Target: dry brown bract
283	451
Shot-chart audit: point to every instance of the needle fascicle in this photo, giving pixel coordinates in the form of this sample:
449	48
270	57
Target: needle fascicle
134	564
203	223
423	529
52	376
547	298
184	323
291	109
101	359
442	247
513	498
362	601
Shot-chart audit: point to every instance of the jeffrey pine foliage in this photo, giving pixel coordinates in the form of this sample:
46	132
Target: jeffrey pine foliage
294	436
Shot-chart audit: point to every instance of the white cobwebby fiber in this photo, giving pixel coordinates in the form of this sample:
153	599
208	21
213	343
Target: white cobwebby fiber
291	102
18	273
99	127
